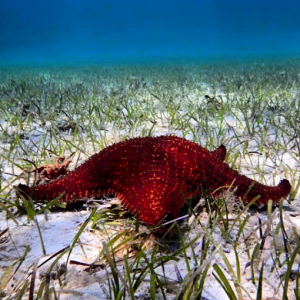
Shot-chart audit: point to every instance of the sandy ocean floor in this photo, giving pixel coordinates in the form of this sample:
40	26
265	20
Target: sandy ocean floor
58	229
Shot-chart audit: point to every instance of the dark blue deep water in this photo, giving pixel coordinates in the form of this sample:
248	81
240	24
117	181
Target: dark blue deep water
58	31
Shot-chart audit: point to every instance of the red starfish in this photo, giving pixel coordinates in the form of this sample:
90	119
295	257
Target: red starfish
154	176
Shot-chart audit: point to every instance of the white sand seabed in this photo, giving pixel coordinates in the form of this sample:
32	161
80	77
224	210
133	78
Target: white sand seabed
60	228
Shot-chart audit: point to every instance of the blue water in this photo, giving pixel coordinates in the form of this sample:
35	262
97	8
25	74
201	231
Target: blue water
139	30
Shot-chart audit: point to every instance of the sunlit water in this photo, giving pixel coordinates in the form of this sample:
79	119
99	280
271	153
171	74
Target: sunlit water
126	31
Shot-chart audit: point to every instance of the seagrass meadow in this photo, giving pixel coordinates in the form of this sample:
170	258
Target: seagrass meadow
53	117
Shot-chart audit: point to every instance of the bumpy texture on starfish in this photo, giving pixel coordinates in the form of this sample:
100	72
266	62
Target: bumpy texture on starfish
154	176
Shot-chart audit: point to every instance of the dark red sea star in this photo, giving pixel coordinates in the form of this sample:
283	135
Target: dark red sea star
154	176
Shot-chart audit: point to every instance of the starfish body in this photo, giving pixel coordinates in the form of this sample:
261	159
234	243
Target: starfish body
153	176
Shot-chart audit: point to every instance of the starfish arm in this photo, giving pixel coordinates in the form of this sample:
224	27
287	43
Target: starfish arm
220	153
221	175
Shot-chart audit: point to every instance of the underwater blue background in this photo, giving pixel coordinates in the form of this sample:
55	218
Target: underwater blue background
137	31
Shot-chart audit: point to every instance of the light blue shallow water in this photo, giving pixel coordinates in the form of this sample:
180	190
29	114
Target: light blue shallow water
65	31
